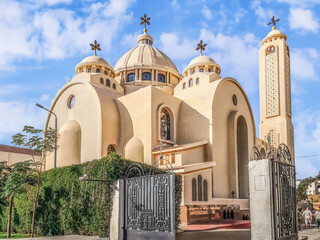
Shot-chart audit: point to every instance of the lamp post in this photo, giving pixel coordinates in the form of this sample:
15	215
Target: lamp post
55	128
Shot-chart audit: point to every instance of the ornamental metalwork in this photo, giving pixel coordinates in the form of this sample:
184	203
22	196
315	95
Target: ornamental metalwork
95	46
201	46
284	194
149	203
283	190
273	21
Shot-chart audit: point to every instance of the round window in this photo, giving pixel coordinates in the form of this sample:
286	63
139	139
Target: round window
234	100
71	101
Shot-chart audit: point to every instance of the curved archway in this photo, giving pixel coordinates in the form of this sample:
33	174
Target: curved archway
243	158
263	153
134	150
69	151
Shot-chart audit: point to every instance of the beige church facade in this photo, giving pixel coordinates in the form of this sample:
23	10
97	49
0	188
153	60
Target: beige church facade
204	121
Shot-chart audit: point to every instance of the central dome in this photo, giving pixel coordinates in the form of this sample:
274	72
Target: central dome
146	65
145	55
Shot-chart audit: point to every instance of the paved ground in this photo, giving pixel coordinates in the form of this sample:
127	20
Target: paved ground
221	234
214	225
312	234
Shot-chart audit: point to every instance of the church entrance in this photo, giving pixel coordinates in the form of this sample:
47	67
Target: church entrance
243	158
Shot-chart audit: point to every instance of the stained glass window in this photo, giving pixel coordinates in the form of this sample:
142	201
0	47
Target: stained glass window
165	124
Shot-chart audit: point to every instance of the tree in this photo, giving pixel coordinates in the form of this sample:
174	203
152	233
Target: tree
41	143
302	188
18	176
4	171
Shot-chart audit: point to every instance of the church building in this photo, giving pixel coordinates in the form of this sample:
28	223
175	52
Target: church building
201	123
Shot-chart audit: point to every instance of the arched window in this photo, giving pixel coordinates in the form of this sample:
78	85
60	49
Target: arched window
191	82
105	72
205	190
197	81
194	189
201	70
193	71
209	70
108	82
98	70
131	77
146	76
101	80
89	69
114	86
184	85
165	124
270	49
161	78
110	149
173	160
199	188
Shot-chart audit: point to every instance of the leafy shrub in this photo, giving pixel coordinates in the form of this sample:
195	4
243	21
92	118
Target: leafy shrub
69	206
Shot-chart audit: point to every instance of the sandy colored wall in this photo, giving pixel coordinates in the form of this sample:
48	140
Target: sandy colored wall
12	158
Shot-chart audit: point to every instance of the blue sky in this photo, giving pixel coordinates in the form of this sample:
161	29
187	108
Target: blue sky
42	41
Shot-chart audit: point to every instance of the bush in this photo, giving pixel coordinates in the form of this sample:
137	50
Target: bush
69	206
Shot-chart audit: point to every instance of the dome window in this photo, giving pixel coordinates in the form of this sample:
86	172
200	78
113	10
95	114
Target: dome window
131	77
101	80
201	70
197	81
161	78
89	70
191	82
146	76
184	85
193	71
98	70
108	82
209	70
114	86
71	101
105	72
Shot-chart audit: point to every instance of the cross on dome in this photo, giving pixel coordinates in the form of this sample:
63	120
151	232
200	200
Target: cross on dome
201	46
146	21
273	21
95	47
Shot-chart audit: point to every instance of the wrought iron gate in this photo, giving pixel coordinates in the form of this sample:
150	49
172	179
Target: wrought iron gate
284	194
149	205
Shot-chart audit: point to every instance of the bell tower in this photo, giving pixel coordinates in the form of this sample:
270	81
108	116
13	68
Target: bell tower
275	90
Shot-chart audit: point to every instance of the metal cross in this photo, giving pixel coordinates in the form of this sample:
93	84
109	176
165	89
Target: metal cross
273	21
201	46
160	146
95	47
146	21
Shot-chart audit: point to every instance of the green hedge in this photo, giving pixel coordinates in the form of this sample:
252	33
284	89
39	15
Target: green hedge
69	206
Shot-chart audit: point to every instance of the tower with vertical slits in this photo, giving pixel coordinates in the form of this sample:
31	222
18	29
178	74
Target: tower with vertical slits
275	90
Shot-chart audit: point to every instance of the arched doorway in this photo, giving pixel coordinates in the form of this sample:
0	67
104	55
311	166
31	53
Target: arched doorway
69	142
243	158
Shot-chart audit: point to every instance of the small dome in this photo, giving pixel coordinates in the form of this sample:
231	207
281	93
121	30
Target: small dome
274	33
201	60
204	61
93	60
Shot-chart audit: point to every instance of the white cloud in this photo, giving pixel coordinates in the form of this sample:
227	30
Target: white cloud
16	114
303	64
303	3
130	40
263	14
206	12
304	20
175	4
42	33
176	49
237	56
44	98
50	2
